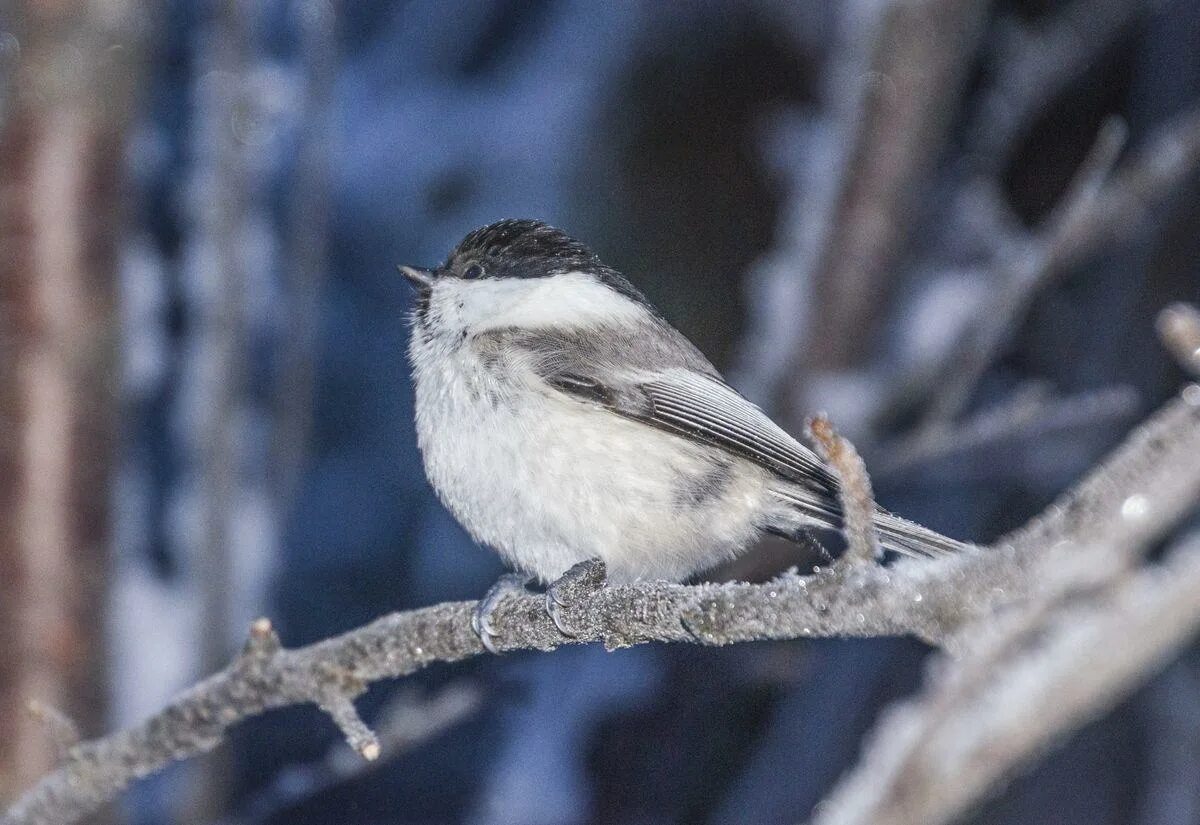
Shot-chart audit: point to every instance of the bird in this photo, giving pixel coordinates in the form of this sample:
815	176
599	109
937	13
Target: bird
567	425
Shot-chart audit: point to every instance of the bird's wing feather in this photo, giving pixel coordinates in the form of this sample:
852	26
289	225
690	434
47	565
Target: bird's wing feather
656	376
703	409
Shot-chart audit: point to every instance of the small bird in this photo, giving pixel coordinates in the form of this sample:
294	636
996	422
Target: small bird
563	420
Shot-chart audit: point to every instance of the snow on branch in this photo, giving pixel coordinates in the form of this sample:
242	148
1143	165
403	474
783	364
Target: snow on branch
1179	329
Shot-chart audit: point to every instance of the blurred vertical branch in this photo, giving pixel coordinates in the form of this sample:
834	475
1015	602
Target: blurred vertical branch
919	63
307	252
71	70
216	276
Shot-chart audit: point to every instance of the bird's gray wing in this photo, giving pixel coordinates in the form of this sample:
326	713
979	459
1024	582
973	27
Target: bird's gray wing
654	375
703	409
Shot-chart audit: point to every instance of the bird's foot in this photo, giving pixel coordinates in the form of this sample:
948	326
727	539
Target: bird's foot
578	584
481	619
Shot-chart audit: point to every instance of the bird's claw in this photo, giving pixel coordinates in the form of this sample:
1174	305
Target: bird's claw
481	617
580	582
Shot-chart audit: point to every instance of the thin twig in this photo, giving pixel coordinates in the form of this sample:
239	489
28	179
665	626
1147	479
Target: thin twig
1021	276
1028	415
1030	68
1179	329
1090	217
854	490
63	732
406	720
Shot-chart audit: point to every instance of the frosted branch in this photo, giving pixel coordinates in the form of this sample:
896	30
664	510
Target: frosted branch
932	757
1132	499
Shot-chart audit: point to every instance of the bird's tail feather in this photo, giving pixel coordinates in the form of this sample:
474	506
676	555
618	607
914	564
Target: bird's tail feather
895	533
910	538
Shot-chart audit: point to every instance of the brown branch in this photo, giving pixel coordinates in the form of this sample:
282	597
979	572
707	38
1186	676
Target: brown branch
858	501
918	64
1143	489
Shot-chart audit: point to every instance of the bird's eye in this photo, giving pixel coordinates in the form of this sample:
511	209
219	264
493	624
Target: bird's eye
472	272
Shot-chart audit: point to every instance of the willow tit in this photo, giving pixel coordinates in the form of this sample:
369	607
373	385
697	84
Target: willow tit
561	418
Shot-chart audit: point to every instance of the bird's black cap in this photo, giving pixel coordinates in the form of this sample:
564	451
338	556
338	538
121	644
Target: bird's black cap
527	248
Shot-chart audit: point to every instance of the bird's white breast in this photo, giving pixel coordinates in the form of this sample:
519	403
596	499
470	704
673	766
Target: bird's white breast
548	480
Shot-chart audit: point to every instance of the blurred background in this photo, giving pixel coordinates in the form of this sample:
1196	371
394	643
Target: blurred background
948	223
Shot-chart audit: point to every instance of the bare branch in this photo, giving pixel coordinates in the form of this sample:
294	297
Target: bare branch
1088	217
1179	329
919	61
1030	69
926	765
1137	494
1030	414
858	501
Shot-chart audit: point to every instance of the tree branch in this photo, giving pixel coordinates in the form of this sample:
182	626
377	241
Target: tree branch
1129	501
1096	208
920	58
934	756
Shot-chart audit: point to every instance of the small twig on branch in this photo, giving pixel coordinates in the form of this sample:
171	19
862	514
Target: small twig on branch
62	731
406	720
1179	329
1129	501
858	501
1029	414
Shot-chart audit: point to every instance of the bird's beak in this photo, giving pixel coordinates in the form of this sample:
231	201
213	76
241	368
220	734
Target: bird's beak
421	279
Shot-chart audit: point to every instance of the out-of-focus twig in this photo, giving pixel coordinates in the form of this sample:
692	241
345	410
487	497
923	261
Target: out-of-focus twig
1096	210
1179	329
1030	67
1024	418
932	757
920	57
